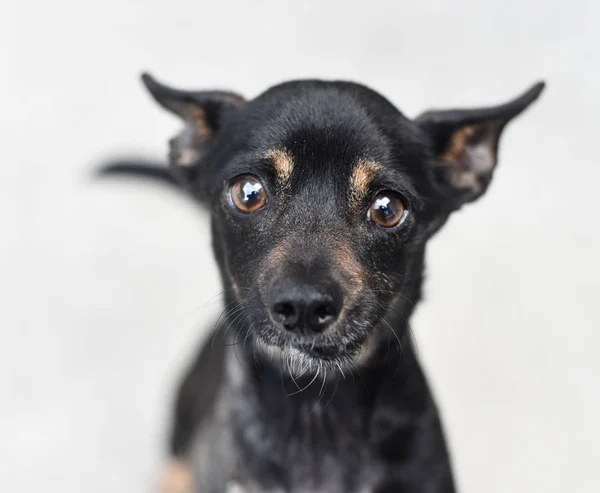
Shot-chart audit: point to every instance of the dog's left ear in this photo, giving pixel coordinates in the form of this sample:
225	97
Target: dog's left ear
465	143
203	114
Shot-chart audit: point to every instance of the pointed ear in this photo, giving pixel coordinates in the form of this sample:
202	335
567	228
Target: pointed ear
465	143
203	113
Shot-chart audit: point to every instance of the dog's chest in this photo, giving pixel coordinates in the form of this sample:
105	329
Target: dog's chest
235	487
312	447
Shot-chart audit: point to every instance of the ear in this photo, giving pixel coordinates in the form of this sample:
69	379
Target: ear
465	143
203	113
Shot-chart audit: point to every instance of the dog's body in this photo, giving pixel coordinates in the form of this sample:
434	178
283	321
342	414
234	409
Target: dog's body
375	430
322	198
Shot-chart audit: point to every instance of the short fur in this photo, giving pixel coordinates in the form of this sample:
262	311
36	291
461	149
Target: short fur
348	410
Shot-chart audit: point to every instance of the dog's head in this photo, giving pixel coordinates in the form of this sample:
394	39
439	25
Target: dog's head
322	197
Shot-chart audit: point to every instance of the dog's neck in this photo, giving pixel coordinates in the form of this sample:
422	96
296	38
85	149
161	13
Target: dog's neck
265	397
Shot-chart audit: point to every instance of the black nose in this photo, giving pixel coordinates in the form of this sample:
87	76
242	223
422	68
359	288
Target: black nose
302	307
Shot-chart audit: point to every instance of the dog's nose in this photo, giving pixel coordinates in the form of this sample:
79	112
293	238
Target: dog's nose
302	307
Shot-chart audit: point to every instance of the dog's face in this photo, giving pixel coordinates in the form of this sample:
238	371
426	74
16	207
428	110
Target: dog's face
322	197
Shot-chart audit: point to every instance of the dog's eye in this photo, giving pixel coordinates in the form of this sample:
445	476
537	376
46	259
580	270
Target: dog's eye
248	194
387	210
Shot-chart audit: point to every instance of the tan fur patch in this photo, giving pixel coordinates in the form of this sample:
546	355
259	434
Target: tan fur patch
276	256
283	165
469	158
177	478
362	175
349	265
458	144
202	128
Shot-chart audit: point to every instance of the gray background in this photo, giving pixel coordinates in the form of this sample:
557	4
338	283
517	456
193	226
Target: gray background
106	288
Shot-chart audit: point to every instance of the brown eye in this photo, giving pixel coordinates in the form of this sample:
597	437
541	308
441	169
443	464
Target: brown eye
248	194
387	210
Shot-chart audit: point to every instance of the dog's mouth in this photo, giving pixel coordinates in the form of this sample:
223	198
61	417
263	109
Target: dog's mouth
298	355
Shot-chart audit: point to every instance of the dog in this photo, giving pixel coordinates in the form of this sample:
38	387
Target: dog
322	197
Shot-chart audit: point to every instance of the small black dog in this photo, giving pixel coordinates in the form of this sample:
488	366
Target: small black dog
322	197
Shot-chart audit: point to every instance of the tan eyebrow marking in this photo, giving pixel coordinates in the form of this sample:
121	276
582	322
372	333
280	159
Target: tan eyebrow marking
283	164
362	175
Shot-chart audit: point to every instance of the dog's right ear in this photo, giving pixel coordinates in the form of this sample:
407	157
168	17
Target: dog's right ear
203	113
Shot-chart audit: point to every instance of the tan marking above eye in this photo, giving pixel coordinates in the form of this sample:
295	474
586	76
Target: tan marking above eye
361	177
283	164
248	194
387	210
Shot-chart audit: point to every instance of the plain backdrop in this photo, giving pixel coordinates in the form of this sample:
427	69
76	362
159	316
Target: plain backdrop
107	288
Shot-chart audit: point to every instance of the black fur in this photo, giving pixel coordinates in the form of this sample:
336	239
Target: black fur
347	409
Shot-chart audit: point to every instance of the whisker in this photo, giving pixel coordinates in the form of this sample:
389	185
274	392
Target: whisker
308	385
337	384
217	326
321	394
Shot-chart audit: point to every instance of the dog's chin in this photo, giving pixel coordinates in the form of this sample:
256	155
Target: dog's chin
298	356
